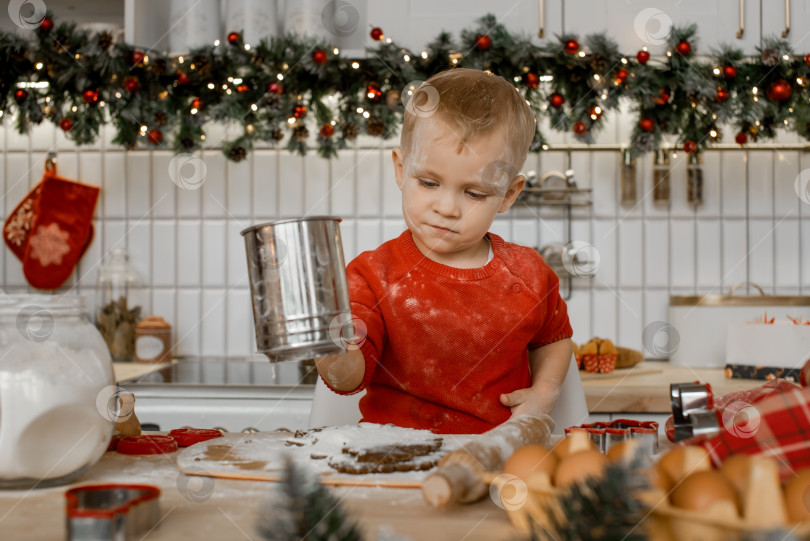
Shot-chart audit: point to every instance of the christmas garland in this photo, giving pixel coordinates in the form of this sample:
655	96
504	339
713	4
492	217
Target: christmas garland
80	80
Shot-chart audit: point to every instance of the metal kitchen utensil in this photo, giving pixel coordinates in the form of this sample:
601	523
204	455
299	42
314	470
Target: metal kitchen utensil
692	413
605	435
110	512
298	284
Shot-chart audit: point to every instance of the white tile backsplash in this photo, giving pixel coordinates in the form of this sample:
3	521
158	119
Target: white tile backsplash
186	246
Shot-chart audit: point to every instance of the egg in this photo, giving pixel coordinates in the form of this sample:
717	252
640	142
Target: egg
702	489
578	440
797	496
530	459
579	466
736	469
681	461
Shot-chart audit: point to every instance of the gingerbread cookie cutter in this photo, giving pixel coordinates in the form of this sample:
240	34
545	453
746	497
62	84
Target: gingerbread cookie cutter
113	512
606	435
692	412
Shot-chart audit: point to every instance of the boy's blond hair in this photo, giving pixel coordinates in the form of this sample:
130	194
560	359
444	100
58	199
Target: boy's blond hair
472	103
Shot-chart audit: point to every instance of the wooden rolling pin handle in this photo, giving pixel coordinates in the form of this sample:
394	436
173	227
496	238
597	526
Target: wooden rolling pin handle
454	483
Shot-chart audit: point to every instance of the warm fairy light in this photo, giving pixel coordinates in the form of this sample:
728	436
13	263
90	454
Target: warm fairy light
48	99
216	43
249	128
360	110
425	55
74	108
366	114
786	57
291	121
247	46
546	78
336	50
669	53
388	40
211	86
228	92
202	137
237	81
545	147
230	79
716	71
757	122
334	123
624	61
280	77
516	79
582	54
193	66
77	56
254	107
180	60
224	87
355	65
406	58
194	111
713	133
755	90
756	99
714	117
145	60
101	104
455	61
799	80
285	66
39	65
118	95
1	114
143	129
596	77
786	122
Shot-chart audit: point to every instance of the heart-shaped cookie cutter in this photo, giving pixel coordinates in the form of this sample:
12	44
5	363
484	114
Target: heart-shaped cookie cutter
113	512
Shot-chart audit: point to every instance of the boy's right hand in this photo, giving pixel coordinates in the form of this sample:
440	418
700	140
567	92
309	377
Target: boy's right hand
343	372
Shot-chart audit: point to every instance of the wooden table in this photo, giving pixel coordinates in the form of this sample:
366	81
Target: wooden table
645	387
198	508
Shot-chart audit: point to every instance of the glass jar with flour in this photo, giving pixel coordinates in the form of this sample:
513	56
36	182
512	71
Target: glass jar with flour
57	391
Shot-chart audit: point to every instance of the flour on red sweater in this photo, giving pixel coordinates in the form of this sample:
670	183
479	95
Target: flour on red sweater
444	343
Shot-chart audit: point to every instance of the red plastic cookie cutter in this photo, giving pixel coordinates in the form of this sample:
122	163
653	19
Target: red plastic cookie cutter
147	445
110	511
189	436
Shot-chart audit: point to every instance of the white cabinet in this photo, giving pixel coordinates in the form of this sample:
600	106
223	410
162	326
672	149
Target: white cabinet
644	23
789	19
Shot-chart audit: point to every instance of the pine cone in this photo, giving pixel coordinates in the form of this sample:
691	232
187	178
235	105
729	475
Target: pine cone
161	118
237	153
770	57
574	77
203	66
105	40
277	134
159	67
375	127
272	101
349	131
598	63
300	134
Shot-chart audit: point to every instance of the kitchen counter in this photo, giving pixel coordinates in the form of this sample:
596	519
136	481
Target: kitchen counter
645	387
196	508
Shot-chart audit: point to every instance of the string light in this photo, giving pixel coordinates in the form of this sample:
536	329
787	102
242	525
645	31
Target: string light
624	61
228	92
211	86
118	95
406	58
356	65
582	54
545	147
216	43
74	108
237	81
669	53
280	77
366	114
360	110
180	60
194	111
716	71
786	57
336	51
254	107
425	55
202	137
291	121
224	87
713	133
39	65
247	46
755	90
596	76
143	129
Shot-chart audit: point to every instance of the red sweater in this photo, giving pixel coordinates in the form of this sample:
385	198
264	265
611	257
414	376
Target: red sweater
443	343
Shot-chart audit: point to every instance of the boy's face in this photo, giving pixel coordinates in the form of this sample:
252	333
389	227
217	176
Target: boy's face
450	199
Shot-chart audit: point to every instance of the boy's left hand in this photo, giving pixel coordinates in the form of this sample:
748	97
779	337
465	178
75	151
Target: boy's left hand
526	402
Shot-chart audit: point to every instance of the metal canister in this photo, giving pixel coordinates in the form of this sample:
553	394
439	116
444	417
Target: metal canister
299	288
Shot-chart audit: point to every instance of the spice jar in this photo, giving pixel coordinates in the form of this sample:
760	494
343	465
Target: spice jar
57	404
153	340
119	310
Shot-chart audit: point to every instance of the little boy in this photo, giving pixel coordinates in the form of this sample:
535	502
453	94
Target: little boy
457	330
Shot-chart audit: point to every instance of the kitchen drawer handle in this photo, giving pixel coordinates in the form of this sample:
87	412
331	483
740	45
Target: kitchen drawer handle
786	31
738	285
742	19
541	33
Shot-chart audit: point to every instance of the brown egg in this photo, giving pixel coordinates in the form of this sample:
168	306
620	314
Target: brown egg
683	460
530	459
700	490
579	466
736	469
797	496
579	440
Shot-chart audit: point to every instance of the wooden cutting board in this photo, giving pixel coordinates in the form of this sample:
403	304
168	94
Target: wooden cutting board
261	457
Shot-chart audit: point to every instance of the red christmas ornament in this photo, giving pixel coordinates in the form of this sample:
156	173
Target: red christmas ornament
646	124
196	103
643	56
275	88
729	72
531	80
90	96
242	88
20	95
556	100
234	38
721	94
689	146
662	97
683	48
182	79
46	25
580	127
137	57
622	74
319	57
741	138
572	46
131	84
595	112
155	136
66	124
377	33
327	130
299	111
373	92
807	59
483	42
779	91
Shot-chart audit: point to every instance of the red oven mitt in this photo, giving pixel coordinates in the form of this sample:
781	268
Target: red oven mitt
51	228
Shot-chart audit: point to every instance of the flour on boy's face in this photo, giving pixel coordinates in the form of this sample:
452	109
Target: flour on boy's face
451	192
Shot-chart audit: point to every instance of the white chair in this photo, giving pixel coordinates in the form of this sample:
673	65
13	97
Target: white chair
331	409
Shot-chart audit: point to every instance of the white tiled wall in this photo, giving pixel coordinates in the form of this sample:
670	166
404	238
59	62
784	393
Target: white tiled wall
186	244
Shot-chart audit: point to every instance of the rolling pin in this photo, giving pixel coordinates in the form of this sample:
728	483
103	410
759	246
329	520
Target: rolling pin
459	476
